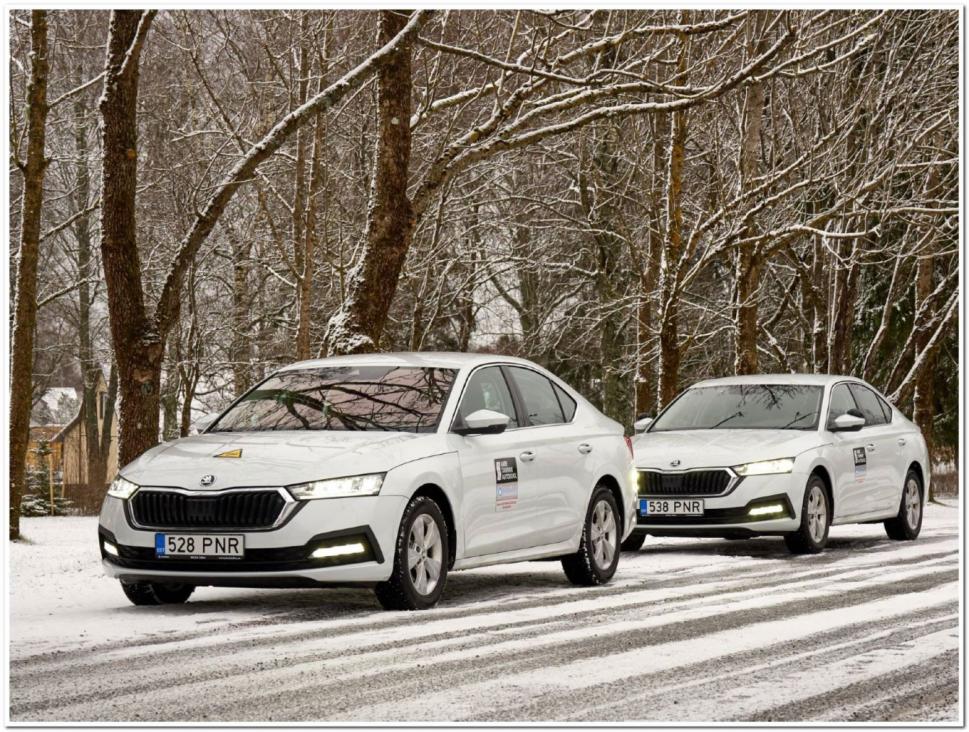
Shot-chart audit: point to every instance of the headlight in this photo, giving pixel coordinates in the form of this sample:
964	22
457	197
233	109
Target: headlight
356	485
121	488
766	467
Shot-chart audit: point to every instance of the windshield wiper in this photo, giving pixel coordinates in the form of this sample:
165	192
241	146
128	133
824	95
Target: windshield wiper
797	418
738	413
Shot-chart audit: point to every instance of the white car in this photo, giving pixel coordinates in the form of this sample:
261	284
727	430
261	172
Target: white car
383	470
780	455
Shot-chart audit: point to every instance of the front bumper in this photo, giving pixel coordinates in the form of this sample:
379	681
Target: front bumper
279	557
728	515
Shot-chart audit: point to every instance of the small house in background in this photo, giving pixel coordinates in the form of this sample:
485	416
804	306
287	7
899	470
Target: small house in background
58	419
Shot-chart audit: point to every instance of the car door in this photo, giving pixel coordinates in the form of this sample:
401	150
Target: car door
882	447
849	459
558	453
498	499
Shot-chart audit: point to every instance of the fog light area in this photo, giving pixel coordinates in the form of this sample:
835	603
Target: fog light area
339	550
766	510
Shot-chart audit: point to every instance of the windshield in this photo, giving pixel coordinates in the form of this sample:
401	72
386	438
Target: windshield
743	407
397	399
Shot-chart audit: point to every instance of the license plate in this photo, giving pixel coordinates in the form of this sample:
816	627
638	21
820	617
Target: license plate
671	507
200	546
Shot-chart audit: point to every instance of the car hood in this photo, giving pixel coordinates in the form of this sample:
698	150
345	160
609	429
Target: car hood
277	458
719	448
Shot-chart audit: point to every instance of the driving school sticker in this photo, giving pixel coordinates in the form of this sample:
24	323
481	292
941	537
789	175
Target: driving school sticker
506	483
861	463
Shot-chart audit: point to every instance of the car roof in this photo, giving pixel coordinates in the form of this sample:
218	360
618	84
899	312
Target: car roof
424	359
789	379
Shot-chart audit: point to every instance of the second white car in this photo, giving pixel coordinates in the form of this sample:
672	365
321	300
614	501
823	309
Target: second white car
383	470
782	455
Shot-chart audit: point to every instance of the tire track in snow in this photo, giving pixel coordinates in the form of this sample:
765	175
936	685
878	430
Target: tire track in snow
436	636
348	667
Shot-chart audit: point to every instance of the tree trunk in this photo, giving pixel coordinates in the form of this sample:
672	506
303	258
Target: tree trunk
843	305
746	284
304	294
358	325
748	260
649	272
669	345
138	346
923	408
241	343
96	462
25	308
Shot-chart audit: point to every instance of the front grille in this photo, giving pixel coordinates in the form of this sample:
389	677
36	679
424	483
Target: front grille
691	483
230	510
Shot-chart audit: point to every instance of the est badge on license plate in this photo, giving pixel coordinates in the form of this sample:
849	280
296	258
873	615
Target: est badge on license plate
200	546
671	507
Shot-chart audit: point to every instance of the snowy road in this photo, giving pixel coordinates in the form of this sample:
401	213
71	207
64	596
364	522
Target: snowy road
689	630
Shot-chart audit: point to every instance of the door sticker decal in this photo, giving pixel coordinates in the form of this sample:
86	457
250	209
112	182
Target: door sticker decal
506	483
861	463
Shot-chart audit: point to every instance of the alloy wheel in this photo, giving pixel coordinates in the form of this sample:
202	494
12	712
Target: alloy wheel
817	514
913	503
424	554
603	535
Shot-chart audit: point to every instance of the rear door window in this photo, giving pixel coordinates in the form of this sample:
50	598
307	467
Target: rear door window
541	404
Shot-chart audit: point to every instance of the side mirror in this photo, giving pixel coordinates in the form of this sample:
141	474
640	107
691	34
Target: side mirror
483	422
641	424
848	423
203	423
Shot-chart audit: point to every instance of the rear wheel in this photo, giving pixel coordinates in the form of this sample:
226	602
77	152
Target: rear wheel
634	542
157	593
908	522
595	562
420	559
812	534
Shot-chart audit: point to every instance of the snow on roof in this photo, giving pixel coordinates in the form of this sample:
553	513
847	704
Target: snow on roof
56	406
425	359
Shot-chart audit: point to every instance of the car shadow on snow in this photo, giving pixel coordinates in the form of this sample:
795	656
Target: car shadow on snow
766	547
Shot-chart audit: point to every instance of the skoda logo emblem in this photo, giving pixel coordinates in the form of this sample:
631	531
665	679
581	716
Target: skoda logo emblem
673	464
207	480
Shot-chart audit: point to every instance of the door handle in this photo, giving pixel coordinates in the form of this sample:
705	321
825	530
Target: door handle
901	440
585	448
527	456
871	447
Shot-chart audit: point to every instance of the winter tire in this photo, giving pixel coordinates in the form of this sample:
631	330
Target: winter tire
812	534
908	523
420	559
634	542
595	562
157	593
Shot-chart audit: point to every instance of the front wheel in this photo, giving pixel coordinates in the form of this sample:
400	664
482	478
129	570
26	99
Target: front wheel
420	559
156	593
812	534
907	524
595	562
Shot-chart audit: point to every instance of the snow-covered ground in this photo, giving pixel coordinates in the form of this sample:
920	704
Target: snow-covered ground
688	630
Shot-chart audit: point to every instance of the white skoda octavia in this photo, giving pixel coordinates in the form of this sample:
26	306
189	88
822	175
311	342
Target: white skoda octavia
782	455
383	470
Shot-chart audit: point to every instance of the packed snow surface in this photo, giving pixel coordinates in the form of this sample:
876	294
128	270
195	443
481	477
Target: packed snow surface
689	630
